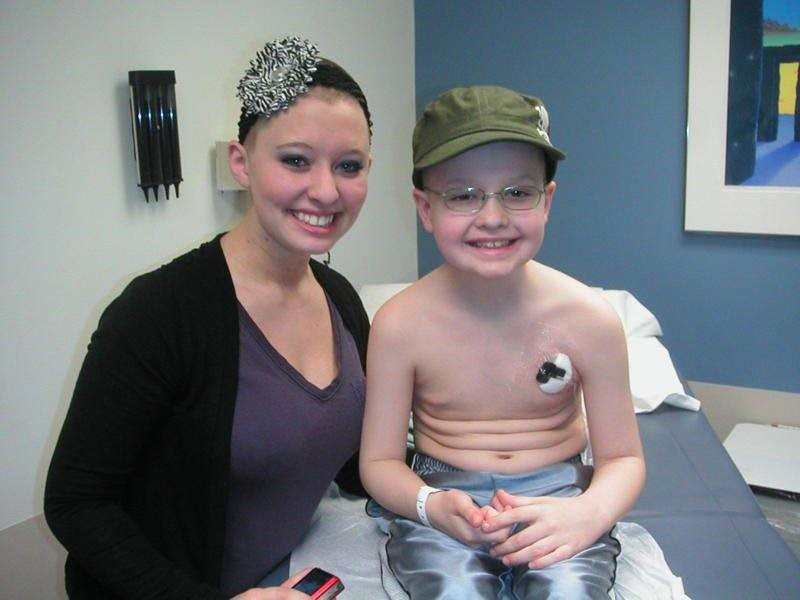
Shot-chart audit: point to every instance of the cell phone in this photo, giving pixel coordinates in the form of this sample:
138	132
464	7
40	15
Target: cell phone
319	584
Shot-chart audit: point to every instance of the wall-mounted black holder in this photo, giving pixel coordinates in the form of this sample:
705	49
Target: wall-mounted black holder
155	130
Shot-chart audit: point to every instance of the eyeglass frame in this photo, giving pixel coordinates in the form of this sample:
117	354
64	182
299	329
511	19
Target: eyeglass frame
485	198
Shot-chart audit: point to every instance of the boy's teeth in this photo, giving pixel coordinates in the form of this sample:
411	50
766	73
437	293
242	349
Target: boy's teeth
316	220
493	244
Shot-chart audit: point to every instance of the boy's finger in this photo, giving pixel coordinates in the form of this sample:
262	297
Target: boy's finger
496	537
527	538
557	555
532	553
496	504
507	499
466	509
508	518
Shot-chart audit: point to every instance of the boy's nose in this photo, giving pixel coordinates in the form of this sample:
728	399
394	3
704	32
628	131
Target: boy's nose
322	186
492	214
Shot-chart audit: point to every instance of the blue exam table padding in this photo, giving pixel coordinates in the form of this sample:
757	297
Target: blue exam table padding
705	518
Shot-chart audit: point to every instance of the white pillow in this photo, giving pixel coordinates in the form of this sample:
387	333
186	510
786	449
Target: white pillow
636	319
373	295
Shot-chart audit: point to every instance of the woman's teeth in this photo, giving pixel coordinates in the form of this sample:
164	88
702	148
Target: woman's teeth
315	220
492	244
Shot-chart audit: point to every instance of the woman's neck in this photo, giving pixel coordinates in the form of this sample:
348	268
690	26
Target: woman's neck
252	257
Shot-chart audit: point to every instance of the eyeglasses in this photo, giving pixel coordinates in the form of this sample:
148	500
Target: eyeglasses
471	199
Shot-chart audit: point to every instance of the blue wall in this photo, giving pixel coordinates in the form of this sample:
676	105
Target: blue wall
614	77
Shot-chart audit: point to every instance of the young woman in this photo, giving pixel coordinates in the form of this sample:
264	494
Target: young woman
222	392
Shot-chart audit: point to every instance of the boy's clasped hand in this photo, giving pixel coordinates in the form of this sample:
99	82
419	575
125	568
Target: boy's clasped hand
539	530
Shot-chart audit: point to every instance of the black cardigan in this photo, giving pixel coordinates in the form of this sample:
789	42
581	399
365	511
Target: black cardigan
137	487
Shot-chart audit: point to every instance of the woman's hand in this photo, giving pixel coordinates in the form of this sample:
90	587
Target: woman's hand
282	592
454	513
554	528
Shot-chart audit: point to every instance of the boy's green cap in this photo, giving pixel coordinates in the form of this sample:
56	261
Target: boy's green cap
464	117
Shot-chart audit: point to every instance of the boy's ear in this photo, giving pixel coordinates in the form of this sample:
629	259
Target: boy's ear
423	208
237	163
549	191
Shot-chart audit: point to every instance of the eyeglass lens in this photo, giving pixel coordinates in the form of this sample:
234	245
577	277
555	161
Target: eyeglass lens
520	197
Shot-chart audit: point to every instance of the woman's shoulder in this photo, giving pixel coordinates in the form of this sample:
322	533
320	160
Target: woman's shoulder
203	262
330	279
197	276
338	288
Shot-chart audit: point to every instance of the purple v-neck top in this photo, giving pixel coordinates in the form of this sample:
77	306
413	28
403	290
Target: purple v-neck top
289	440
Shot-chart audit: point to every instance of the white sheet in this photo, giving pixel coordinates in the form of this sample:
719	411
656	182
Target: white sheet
652	373
343	540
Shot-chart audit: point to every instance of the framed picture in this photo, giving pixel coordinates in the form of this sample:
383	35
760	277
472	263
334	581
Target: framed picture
723	192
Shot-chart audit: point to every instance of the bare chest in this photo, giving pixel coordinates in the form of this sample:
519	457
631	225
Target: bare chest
487	373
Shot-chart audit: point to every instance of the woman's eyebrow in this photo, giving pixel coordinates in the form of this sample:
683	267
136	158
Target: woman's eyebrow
294	145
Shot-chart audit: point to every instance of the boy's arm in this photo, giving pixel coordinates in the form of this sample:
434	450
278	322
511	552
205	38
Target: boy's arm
558	528
387	478
384	472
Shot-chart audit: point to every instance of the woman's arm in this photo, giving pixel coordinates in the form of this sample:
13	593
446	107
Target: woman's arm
124	393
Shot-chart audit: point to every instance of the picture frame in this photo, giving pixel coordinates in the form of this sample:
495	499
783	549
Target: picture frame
710	205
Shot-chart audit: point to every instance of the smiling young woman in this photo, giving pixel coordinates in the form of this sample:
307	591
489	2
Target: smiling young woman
222	393
306	172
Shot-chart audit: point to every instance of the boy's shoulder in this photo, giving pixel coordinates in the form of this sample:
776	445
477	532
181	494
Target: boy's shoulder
408	302
556	286
577	307
415	312
571	305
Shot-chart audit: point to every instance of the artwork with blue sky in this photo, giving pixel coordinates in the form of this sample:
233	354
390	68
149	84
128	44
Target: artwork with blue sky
763	137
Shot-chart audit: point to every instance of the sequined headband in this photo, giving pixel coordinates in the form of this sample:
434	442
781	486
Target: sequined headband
277	76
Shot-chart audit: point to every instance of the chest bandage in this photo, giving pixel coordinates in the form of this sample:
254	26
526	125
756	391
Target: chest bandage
555	375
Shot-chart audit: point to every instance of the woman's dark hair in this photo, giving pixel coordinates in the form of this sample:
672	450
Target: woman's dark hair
329	75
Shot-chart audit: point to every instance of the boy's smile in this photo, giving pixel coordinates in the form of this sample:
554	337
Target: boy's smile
491	244
494	241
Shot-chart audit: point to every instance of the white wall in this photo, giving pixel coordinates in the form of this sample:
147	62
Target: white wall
75	227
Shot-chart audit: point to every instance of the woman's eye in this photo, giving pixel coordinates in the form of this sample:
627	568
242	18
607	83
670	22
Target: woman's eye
294	160
351	166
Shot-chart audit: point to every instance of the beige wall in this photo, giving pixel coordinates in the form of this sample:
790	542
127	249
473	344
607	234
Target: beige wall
32	564
75	227
727	405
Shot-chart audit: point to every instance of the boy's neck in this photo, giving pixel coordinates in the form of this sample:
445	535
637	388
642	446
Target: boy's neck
496	295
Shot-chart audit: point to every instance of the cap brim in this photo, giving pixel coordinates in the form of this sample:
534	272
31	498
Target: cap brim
463	143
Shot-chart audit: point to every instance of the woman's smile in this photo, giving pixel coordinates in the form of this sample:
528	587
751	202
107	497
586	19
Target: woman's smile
317	221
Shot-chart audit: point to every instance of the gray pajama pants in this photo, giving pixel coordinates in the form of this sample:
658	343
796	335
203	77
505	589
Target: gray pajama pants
431	565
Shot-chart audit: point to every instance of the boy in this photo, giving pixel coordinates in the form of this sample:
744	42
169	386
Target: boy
490	351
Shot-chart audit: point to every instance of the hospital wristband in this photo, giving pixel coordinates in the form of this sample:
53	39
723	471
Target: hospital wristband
422	499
